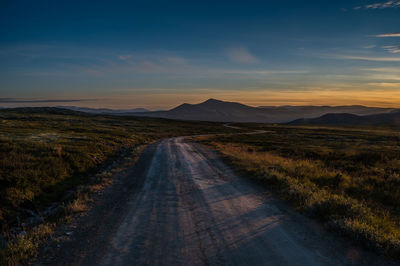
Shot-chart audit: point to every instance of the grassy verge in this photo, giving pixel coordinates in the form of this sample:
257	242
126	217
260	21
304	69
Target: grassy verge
347	179
24	246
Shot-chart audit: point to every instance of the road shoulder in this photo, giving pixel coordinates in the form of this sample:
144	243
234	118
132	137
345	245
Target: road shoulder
82	241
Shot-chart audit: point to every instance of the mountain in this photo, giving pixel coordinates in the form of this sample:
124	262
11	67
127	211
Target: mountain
387	119
310	111
104	110
214	110
221	111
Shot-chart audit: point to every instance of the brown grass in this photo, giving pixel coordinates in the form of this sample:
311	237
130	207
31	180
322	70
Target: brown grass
45	152
26	245
80	204
314	189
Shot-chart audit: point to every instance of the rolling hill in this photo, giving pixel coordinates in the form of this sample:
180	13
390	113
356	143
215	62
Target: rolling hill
345	119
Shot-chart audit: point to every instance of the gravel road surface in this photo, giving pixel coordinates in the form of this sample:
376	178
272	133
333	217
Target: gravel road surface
182	205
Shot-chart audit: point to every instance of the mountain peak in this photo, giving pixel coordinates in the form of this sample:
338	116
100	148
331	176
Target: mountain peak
212	100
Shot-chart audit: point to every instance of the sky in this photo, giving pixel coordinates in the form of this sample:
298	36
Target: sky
158	54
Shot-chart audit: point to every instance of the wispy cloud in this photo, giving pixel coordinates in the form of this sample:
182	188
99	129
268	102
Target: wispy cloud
124	57
265	72
394	34
394	49
383	69
385	85
370	58
76	60
380	5
384	74
386	77
174	60
240	55
144	63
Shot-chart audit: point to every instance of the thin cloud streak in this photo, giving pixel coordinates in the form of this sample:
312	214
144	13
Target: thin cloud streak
124	57
394	34
381	5
385	85
394	49
241	55
370	58
383	69
266	72
385	77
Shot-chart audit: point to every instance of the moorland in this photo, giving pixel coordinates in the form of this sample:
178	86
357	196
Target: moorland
48	152
348	178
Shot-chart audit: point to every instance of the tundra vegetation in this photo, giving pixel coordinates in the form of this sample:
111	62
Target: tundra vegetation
46	153
347	178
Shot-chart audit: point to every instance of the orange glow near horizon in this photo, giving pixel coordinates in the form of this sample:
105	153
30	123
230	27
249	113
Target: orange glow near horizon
376	98
389	97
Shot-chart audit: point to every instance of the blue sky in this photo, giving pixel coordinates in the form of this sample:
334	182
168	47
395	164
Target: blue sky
161	53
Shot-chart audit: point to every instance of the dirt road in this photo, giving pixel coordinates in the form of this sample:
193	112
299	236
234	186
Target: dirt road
192	209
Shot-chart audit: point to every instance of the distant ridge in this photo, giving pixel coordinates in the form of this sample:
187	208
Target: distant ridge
104	110
43	110
222	111
387	119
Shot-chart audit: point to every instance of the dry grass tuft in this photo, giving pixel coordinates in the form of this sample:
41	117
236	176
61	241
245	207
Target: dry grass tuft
80	204
25	246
